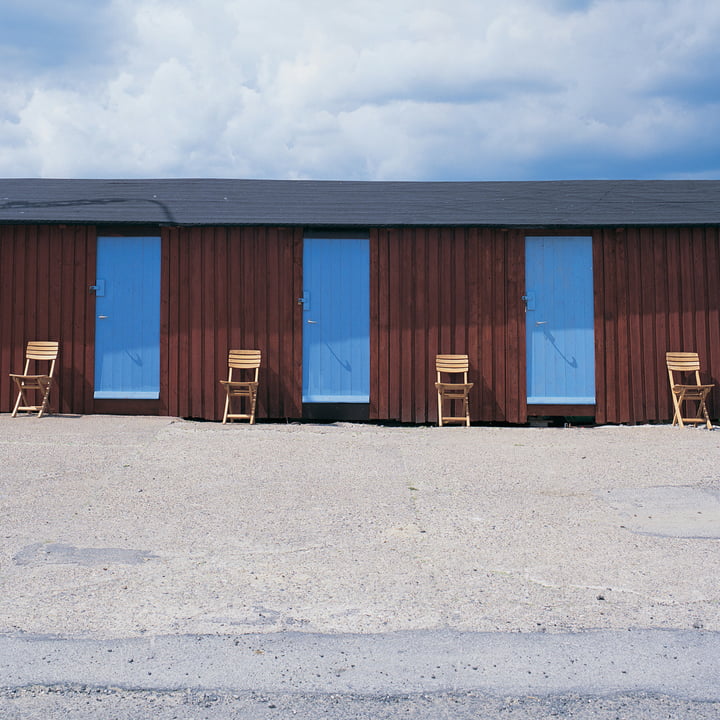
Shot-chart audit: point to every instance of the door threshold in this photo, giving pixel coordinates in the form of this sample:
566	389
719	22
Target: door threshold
568	410
343	412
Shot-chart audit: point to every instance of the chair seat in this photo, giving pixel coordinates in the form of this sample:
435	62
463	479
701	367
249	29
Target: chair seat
454	391
31	379
692	390
240	386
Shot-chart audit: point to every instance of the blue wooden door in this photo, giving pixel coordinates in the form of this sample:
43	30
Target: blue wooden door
127	325
559	320
336	320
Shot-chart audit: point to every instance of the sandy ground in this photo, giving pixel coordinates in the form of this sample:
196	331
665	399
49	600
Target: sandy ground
123	527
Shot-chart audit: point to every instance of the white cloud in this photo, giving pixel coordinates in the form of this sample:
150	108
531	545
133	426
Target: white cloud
447	89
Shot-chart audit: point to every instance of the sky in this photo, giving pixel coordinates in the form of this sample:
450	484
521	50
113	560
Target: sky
361	90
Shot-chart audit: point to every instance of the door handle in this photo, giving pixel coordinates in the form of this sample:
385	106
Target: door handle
312	322
102	317
98	288
541	322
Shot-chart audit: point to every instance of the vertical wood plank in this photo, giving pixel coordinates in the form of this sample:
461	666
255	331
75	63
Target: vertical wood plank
674	291
273	317
687	280
659	281
698	268
598	256
87	369
434	282
186	301
445	308
649	361
499	321
473	330
459	314
622	288
295	407
64	244
489	408
516	393
636	388
420	367
394	350
407	308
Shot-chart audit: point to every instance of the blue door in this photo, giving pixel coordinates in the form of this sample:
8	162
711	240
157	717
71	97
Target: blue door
127	325
336	320
559	321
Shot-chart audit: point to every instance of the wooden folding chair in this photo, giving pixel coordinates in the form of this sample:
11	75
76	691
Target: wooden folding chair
242	390
688	362
37	352
453	391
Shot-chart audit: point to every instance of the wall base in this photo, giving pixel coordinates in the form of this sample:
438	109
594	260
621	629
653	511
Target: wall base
126	407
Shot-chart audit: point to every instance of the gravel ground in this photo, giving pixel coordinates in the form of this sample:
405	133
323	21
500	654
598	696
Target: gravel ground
118	527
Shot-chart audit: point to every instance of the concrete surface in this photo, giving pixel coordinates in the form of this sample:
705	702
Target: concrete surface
356	562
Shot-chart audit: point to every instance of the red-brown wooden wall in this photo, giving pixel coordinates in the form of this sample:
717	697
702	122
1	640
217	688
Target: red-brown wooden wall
432	290
655	290
45	273
446	291
230	288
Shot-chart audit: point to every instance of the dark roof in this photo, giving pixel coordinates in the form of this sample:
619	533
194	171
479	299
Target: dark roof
570	203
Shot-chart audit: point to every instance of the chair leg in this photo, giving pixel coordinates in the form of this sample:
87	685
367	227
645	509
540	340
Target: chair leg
46	385
227	407
253	403
440	409
41	407
17	403
705	413
677	417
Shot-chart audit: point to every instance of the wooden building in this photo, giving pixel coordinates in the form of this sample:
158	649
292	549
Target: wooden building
565	295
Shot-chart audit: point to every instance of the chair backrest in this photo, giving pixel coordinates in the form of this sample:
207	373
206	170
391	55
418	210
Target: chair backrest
683	362
42	350
452	364
244	360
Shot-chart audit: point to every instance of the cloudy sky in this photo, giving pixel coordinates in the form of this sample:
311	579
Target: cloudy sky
368	89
